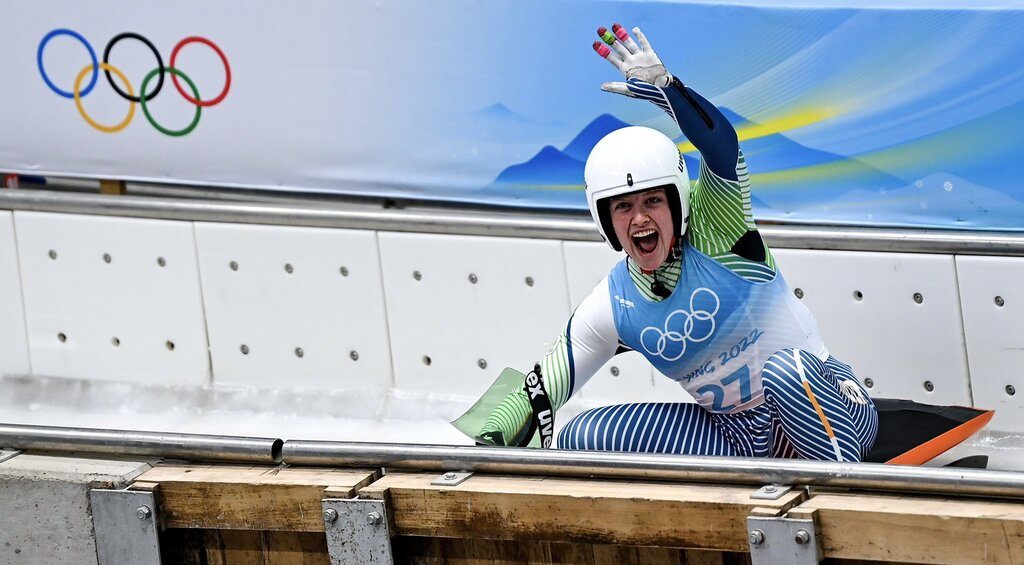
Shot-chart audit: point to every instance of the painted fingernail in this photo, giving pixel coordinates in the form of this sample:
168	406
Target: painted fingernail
620	32
601	49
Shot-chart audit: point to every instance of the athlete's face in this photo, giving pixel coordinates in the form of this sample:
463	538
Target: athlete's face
643	224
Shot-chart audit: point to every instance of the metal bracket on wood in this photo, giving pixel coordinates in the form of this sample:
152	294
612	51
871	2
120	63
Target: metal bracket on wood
771	492
451	478
125	522
358	531
6	454
783	541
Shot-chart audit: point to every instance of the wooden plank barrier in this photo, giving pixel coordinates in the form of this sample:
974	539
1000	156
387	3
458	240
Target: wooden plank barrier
248	515
248	497
245	514
918	529
574	510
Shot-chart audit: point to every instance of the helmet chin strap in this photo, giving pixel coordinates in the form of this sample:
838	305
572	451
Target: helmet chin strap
676	252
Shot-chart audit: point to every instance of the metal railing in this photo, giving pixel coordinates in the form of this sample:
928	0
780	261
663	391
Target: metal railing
191	447
732	470
505	223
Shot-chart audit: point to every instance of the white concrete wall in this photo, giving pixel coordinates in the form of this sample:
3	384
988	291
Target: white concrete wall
330	309
992	297
14	358
866	308
112	298
304	304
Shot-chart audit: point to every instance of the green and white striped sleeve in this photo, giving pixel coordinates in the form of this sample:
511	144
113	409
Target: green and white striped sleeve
588	341
720	214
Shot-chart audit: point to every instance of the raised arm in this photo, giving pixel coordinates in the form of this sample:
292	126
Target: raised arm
721	219
647	78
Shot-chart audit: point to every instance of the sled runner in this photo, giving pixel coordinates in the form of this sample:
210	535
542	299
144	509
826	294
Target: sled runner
910	433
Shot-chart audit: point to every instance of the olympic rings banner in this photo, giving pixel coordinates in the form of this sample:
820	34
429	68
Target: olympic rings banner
875	115
145	95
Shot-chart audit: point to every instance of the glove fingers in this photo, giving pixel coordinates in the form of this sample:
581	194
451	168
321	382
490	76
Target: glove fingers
620	50
644	44
617	88
627	41
604	51
610	39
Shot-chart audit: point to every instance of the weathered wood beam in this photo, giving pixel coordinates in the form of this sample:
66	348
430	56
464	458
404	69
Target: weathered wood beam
709	517
452	551
565	520
249	497
917	529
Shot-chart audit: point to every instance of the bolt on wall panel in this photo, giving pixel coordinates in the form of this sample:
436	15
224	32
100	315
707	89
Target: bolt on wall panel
992	295
462	308
112	298
894	317
294	307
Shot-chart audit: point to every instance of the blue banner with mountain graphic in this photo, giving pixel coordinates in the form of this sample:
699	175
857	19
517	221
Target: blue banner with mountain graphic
899	114
847	116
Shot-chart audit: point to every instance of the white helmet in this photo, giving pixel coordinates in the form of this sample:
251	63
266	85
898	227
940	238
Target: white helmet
634	159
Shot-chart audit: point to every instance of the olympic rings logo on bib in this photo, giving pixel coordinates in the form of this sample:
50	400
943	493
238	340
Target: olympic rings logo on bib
681	326
128	93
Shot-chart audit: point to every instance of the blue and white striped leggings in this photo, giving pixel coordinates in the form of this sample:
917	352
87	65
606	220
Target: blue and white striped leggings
836	421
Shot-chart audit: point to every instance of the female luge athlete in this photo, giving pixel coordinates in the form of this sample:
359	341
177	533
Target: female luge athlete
699	295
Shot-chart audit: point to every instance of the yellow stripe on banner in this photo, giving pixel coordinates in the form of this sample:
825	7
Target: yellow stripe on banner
817	408
785	122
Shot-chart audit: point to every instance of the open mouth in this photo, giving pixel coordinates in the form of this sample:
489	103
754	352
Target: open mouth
646	241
